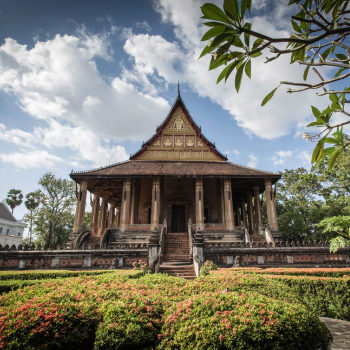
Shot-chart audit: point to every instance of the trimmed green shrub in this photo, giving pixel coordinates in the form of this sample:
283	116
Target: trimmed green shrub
51	274
207	267
241	321
133	325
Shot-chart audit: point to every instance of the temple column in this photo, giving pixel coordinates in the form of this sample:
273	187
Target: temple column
103	216
111	218
155	208
125	205
257	207
94	213
117	215
229	219
250	212
244	214
238	215
199	204
80	211
271	206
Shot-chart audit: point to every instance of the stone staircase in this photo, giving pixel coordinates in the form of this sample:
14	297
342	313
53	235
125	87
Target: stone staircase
257	238
178	270
177	248
176	256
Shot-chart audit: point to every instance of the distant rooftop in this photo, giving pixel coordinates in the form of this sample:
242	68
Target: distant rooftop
5	212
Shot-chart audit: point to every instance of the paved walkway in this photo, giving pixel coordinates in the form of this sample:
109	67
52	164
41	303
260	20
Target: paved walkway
341	332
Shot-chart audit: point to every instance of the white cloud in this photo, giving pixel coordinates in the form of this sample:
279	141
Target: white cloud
59	79
281	157
31	159
173	61
144	25
87	146
305	157
253	160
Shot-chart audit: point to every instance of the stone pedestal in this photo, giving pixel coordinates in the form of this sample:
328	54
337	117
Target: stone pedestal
198	252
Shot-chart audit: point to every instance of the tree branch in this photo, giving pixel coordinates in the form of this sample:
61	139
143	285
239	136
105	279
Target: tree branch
347	66
333	92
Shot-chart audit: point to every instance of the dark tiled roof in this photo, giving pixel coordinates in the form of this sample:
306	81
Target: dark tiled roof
145	168
5	214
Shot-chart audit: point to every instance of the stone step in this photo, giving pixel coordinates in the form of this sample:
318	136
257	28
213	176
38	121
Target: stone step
257	238
184	271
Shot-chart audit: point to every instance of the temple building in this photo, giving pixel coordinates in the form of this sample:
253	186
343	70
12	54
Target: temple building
177	184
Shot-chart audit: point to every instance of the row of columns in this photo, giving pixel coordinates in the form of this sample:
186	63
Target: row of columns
254	213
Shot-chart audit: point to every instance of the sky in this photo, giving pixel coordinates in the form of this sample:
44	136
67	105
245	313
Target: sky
83	83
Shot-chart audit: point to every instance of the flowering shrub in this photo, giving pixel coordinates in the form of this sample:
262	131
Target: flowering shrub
207	267
141	265
51	274
125	310
240	321
317	272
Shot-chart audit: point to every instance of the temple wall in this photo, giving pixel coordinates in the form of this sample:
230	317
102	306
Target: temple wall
223	254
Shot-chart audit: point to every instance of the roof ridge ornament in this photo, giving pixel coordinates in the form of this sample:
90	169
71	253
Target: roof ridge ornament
178	89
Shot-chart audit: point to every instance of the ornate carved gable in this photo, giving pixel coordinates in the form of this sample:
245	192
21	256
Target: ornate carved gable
178	138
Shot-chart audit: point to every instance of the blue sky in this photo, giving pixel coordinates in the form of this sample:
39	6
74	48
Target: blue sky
83	83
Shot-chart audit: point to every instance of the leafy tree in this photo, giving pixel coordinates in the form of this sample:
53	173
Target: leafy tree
87	219
339	227
31	203
320	31
14	198
53	219
305	198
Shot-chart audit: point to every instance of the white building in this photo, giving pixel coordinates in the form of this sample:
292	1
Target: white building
11	230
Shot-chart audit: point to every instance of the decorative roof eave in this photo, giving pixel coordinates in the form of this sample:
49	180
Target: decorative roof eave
162	125
95	173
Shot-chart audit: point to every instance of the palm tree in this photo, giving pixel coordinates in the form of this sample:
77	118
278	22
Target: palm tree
31	203
14	198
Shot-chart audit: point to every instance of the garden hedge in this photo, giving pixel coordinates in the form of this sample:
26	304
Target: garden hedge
50	274
120	311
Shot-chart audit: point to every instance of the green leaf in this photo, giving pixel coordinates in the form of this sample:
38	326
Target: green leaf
256	54
331	140
257	42
220	39
269	96
333	158
318	150
340	71
231	9
306	72
333	97
213	24
315	111
217	63
341	56
243	8
225	71
249	4
237	42
326	53
296	27
248	69
234	65
327	151
316	124
247	36
239	76
213	12
213	32
204	52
